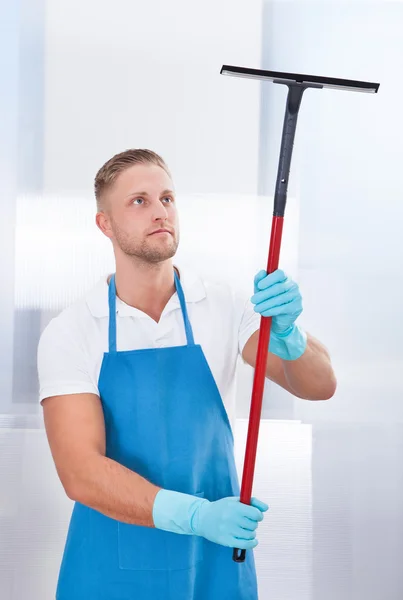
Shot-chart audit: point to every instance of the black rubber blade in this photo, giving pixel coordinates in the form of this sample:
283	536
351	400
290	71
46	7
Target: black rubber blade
326	82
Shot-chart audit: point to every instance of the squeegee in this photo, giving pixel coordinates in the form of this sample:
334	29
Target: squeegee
296	84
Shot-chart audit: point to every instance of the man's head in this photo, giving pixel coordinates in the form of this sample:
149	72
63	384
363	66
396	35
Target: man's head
135	198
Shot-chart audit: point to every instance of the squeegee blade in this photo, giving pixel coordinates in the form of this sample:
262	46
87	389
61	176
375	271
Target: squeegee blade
326	82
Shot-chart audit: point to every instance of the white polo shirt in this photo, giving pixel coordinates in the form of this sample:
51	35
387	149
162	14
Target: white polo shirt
72	346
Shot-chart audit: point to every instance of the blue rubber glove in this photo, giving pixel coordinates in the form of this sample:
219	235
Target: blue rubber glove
227	522
279	297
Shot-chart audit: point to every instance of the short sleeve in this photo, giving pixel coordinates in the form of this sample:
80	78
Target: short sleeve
250	322
62	363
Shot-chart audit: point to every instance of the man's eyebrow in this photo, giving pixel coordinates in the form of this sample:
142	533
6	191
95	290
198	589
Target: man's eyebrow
146	194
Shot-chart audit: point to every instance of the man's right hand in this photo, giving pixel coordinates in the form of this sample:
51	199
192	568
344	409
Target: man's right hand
229	522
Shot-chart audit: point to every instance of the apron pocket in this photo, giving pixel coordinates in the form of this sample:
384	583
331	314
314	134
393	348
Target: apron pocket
149	549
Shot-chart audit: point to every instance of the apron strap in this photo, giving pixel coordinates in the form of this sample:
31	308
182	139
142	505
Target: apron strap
112	313
181	296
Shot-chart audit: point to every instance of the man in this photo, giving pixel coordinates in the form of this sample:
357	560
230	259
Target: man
136	382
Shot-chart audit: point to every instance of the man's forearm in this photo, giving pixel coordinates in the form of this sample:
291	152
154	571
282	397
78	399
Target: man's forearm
311	376
114	490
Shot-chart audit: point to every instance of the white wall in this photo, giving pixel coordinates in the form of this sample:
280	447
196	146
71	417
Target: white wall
147	75
8	180
347	180
350	190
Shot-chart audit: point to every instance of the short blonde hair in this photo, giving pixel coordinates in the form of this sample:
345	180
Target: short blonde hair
109	172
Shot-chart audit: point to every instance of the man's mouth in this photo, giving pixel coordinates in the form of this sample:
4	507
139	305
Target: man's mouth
161	231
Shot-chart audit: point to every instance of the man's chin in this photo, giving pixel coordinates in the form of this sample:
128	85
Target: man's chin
159	255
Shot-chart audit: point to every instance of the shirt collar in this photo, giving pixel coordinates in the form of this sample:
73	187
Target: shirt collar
97	298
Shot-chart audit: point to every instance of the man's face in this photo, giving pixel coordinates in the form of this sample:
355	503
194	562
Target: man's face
139	205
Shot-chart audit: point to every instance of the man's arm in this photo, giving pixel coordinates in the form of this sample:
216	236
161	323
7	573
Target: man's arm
310	376
75	429
76	434
296	360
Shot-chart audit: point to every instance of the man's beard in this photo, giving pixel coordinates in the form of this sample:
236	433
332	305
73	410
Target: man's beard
145	250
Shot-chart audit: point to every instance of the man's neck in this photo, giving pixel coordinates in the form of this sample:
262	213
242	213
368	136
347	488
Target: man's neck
147	287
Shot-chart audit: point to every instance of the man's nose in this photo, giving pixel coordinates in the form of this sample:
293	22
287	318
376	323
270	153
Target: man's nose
160	213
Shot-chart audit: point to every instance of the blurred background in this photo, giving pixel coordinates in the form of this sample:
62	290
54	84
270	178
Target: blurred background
84	80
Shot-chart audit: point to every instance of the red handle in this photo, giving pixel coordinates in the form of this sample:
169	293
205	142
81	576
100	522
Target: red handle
260	372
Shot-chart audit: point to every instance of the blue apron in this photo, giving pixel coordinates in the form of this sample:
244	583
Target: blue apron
164	419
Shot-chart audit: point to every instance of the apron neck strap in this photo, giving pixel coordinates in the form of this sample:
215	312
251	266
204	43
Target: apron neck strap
112	313
181	296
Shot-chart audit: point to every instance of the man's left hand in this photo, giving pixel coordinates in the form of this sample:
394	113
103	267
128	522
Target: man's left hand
279	297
